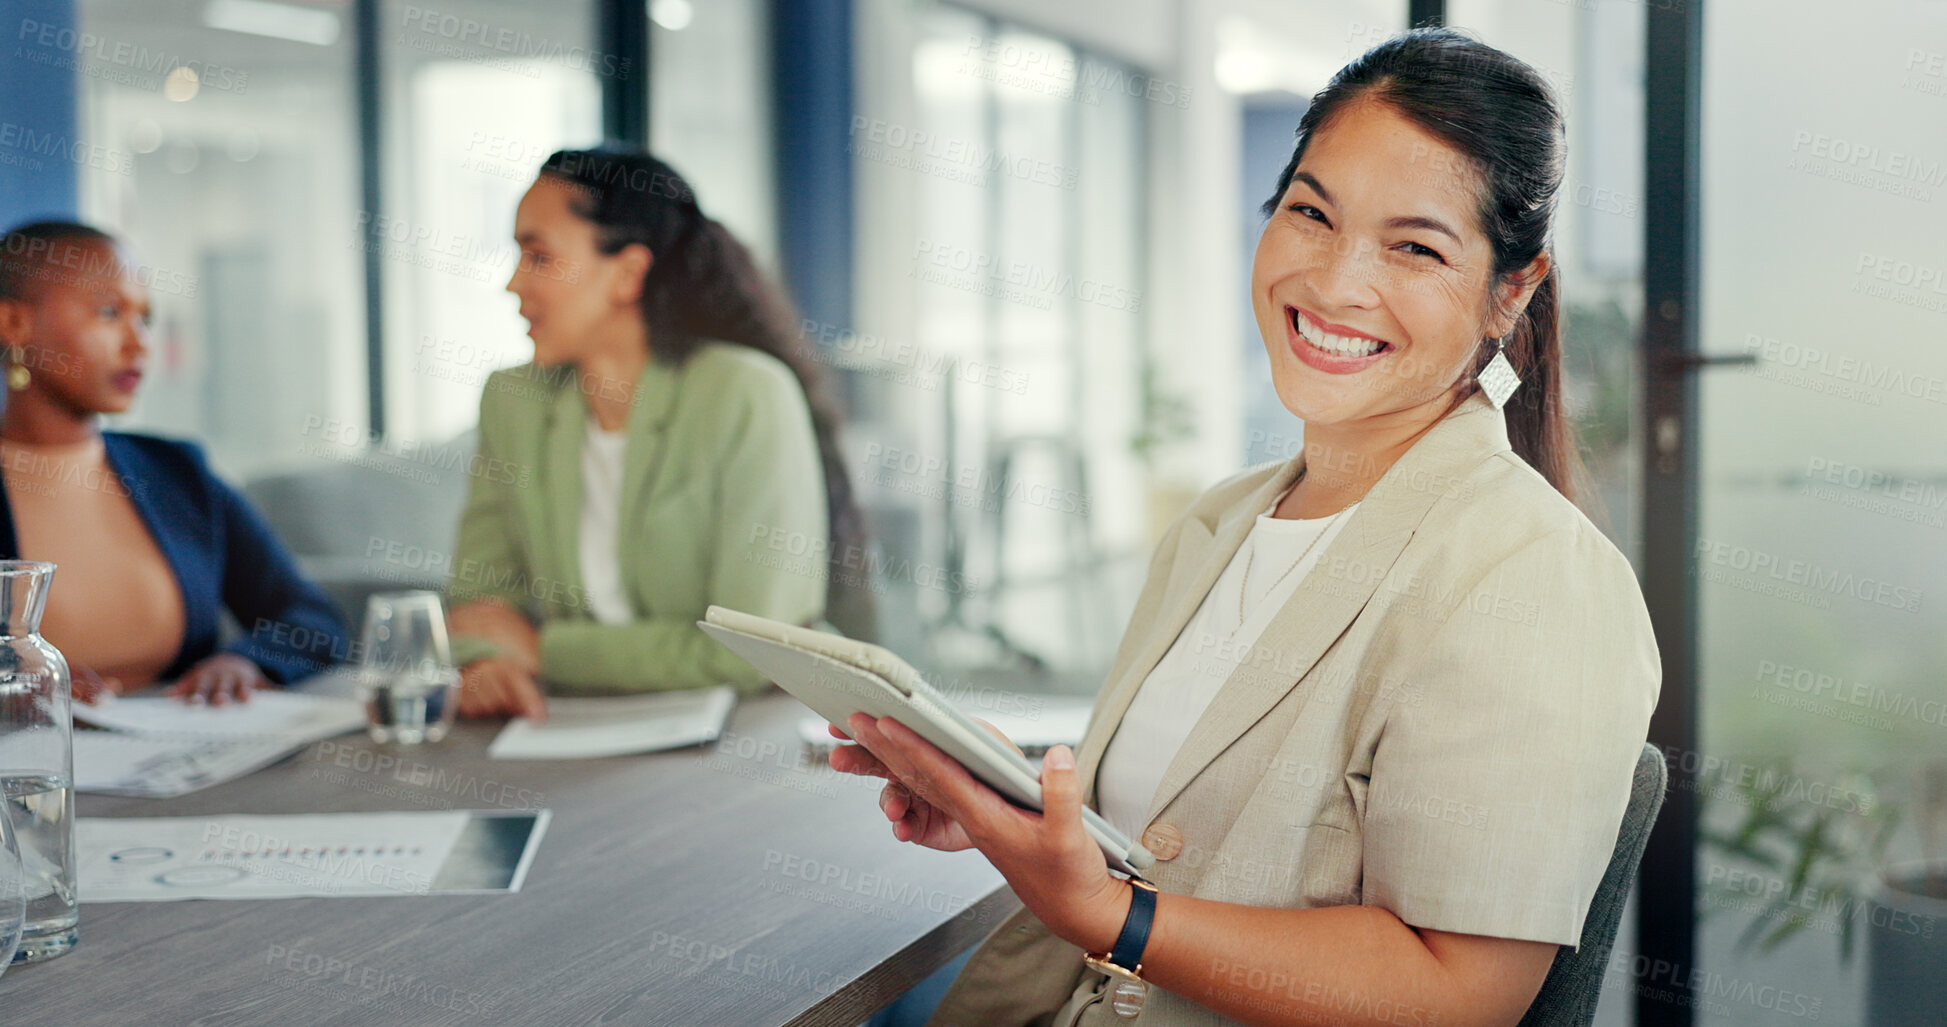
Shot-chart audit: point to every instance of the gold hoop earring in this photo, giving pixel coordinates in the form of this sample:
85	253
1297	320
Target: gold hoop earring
18	377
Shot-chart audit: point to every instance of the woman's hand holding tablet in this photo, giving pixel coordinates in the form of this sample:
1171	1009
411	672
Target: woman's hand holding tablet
1047	857
925	824
838	677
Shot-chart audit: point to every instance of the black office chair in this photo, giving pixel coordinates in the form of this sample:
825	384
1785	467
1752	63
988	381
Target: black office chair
1568	997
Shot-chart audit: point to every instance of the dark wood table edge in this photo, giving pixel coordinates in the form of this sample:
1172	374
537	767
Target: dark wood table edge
863	996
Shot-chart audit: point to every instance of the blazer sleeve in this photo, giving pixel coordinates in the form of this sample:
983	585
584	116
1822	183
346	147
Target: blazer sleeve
1495	796
488	561
770	485
291	630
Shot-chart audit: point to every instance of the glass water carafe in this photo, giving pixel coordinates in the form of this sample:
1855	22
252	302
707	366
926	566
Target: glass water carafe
37	760
13	902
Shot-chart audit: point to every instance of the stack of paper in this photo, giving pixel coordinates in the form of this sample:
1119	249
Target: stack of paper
157	746
594	728
116	764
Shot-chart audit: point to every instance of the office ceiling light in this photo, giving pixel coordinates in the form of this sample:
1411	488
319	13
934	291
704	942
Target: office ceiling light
674	15
181	84
278	21
941	75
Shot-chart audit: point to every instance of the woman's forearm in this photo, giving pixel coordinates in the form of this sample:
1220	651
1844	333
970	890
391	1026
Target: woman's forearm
507	628
1354	965
1338	964
650	655
1347	964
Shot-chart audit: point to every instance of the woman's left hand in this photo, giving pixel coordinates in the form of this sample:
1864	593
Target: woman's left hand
1057	871
222	678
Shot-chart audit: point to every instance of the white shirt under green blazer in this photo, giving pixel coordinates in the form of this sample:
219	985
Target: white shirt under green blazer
1442	721
722	501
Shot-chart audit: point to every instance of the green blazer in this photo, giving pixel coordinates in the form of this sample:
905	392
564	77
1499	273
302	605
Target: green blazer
723	501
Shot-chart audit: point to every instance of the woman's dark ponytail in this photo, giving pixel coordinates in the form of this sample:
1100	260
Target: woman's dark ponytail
1538	425
704	285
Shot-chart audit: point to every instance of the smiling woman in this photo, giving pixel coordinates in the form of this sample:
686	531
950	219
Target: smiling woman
1408	274
1378	709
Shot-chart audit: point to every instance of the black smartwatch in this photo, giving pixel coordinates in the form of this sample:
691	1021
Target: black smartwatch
1123	963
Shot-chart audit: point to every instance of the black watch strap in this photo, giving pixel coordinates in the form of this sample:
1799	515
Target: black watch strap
1129	945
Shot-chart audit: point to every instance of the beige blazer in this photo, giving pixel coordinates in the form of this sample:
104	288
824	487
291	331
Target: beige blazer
1442	721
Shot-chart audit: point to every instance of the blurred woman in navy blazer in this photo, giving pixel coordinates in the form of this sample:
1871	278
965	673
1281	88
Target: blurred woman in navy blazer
149	543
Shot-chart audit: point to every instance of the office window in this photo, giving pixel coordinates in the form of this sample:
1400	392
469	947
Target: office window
230	165
996	448
477	94
710	110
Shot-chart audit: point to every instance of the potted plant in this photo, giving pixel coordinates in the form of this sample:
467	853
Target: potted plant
1907	961
1822	859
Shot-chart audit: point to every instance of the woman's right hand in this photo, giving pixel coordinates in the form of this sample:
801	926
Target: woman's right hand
90	687
931	828
500	686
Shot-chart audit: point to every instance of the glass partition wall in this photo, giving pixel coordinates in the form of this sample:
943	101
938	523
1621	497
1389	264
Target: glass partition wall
1822	540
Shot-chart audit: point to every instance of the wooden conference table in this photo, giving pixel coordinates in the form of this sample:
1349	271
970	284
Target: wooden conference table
733	884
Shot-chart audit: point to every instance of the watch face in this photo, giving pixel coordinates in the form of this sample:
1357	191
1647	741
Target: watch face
1126	997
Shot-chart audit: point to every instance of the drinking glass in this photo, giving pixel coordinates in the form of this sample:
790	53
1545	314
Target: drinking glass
406	676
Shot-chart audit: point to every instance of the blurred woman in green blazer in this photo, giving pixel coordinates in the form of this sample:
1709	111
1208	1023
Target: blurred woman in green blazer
666	449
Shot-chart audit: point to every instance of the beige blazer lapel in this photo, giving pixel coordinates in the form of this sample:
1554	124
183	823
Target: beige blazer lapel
1327	599
1202	552
1193	543
1317	613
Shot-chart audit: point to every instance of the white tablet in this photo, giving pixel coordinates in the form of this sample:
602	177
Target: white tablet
838	676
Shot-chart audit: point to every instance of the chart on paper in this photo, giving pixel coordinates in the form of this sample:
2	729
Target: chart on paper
161	859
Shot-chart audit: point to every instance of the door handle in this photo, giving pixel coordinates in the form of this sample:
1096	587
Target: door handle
1683	363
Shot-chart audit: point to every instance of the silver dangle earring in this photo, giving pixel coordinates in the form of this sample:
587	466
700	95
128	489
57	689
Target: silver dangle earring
1498	379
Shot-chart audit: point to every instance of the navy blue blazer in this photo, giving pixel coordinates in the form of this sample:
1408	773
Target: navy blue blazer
222	552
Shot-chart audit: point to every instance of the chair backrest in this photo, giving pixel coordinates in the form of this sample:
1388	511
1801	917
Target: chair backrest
379	523
1568	997
343	510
